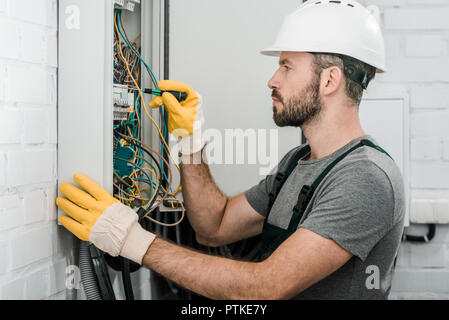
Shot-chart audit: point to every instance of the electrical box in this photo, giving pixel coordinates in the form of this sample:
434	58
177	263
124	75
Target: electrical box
99	99
90	99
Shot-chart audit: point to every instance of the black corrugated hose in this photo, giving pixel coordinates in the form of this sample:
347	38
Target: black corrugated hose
88	276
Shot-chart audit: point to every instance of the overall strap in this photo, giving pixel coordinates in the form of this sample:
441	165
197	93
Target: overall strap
307	192
372	145
282	176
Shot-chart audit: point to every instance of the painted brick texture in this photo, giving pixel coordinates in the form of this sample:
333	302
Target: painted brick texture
33	250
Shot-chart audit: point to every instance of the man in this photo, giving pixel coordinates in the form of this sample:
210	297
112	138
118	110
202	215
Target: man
331	218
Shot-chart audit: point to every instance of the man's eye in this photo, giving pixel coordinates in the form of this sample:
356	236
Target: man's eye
287	68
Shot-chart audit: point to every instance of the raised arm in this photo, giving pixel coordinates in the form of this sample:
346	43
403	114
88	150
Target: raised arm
216	219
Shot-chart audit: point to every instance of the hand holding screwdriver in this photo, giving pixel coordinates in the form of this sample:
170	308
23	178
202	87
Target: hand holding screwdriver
185	117
180	96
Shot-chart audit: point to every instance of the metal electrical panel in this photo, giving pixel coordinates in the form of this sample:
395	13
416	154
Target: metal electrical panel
89	97
87	94
85	113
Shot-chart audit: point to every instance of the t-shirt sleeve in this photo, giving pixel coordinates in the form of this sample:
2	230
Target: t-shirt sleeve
258	196
355	208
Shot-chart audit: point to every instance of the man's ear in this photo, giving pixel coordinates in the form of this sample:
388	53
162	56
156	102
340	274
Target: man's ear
331	80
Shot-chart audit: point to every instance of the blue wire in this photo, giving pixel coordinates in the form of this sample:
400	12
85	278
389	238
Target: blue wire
132	49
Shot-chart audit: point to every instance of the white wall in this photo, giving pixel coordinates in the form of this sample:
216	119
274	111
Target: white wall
417	38
33	252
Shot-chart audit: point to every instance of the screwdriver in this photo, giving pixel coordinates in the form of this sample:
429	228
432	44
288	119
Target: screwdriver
181	96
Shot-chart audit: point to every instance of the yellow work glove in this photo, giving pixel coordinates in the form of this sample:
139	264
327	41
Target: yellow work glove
99	218
185	119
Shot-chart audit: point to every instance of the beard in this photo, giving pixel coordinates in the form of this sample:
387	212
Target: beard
300	109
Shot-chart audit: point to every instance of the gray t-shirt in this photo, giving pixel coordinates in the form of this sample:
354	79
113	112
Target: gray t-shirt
360	205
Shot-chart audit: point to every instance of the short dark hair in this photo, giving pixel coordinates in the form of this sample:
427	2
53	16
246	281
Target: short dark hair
354	90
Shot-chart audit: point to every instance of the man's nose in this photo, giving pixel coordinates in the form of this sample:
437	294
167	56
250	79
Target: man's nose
273	84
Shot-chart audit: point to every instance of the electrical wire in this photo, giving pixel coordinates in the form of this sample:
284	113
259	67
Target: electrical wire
144	148
172	224
132	164
138	151
150	72
148	208
144	181
118	22
152	150
163	137
127	64
138	88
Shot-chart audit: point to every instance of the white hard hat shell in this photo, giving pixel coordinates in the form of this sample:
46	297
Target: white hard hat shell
342	27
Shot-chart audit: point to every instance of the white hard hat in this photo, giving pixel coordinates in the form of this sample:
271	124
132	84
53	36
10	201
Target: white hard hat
341	27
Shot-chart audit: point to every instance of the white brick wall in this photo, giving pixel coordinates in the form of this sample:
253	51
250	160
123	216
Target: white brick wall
34	251
417	40
425	46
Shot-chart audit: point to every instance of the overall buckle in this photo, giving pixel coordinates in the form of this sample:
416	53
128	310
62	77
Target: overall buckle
304	198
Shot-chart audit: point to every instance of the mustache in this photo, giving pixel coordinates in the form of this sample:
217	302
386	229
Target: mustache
276	95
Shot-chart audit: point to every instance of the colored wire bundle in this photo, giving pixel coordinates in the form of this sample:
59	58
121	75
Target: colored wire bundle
163	137
143	185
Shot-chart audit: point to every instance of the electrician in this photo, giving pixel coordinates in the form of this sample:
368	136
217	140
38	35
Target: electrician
331	218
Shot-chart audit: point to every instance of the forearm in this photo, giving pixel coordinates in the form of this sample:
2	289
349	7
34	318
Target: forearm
210	276
204	201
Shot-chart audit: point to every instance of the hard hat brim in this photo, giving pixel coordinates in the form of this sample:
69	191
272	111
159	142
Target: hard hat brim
271	52
276	52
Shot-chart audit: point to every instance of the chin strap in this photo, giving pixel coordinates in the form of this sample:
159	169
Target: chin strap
353	73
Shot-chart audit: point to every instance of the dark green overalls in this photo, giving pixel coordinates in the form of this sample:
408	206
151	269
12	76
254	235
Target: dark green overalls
273	236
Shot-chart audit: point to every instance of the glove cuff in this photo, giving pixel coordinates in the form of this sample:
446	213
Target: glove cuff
112	227
137	243
195	142
191	144
118	232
